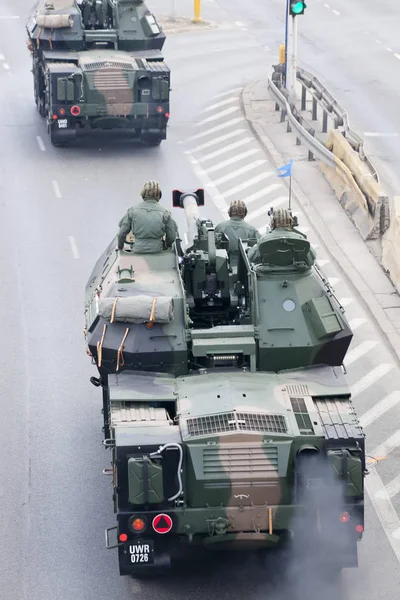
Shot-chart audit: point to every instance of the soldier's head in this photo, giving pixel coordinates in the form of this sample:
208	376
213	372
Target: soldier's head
281	219
151	191
237	209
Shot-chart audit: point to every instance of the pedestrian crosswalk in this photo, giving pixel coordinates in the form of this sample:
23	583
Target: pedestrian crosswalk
231	164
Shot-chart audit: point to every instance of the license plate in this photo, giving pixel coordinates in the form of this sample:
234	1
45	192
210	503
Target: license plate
62	123
140	553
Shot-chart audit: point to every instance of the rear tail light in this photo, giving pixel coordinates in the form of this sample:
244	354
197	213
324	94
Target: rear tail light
137	524
123	537
75	110
344	517
61	111
160	109
359	528
55	117
167	115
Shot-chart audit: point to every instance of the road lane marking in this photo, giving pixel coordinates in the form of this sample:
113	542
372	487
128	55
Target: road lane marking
217	140
8	17
263	192
232	91
334	280
219	115
203	176
356	323
384	508
359	351
40	143
372	377
219	104
322	263
378	42
336	12
234	159
56	188
2	57
345	301
185	237
397	55
380	409
392	488
6	66
389	49
233	146
74	247
217	128
377	134
239	172
249	182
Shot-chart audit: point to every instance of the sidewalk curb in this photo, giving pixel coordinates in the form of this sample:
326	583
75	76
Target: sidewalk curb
366	295
184	25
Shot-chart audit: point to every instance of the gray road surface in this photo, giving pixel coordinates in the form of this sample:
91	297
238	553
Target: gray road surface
58	210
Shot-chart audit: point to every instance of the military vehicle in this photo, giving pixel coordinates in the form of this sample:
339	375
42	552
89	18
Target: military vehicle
225	402
98	64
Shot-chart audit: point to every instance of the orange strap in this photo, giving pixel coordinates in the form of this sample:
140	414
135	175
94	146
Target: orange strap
120	356
100	347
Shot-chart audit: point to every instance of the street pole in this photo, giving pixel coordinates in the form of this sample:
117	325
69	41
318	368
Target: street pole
292	62
286	40
173	11
197	11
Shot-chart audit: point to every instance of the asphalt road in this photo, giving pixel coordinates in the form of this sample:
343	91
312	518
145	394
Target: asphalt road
58	210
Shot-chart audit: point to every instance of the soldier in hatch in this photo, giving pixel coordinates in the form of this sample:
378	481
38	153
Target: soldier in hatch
151	224
280	219
236	227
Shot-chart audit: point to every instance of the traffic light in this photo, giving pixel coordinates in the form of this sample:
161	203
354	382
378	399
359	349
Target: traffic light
297	8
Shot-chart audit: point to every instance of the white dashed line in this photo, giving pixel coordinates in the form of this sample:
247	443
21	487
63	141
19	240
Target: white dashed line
376	134
56	189
249	182
239	172
359	351
397	55
380	409
40	143
219	104
326	5
372	377
219	115
389	49
218	140
2	57
336	12
378	41
8	17
233	159
217	128
6	66
233	91
226	149
74	247
356	323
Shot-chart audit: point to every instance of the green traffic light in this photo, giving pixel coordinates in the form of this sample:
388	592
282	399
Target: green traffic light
298	8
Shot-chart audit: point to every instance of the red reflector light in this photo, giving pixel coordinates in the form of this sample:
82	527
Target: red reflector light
344	517
62	111
54	117
138	525
75	110
167	115
123	537
160	109
359	528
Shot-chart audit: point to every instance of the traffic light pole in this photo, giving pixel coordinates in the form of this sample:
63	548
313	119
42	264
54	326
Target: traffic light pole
292	58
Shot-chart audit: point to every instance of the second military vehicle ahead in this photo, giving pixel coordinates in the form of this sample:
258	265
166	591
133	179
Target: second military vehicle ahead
98	64
225	404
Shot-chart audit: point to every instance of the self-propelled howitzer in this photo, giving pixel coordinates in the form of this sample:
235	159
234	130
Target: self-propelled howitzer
98	64
225	403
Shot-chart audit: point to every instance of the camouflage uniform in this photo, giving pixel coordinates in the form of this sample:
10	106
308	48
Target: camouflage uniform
281	219
149	223
235	227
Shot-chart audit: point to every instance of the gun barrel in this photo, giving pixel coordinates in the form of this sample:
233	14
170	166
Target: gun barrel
189	204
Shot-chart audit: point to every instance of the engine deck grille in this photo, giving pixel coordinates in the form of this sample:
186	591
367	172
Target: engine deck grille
110	81
238	462
236	421
107	64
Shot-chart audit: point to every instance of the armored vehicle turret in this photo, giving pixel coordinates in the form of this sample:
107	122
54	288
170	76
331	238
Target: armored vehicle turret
98	64
225	402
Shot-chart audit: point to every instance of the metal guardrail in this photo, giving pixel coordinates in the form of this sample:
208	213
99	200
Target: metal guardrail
330	107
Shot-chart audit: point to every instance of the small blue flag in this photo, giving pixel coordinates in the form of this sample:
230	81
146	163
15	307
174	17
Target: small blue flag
286	170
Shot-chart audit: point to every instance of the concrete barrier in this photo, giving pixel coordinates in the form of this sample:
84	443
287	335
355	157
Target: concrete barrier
357	190
391	245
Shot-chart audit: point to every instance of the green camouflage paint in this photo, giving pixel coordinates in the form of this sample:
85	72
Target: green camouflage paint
99	65
250	399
